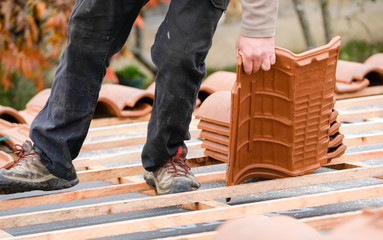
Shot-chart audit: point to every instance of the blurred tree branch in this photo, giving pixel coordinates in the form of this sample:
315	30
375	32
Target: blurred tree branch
299	9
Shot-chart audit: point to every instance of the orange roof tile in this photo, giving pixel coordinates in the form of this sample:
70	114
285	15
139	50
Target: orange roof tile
280	119
354	76
6	160
124	101
215	109
17	132
11	115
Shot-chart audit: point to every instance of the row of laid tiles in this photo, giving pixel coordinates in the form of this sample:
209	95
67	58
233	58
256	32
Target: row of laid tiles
118	100
280	122
122	101
115	100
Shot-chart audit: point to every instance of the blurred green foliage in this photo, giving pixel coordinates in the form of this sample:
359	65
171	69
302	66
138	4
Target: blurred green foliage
359	51
19	94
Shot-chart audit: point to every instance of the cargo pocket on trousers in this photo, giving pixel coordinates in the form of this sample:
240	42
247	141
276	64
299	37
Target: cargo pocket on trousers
221	4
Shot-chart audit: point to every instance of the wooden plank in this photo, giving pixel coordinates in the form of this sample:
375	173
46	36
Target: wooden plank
195	236
190	197
120	157
139	140
101	122
330	221
357	156
205	205
113	143
361	127
359	102
4	234
82	163
140	126
359	115
363	140
96	192
343	166
124	141
137	169
118	129
133	169
215	214
369	91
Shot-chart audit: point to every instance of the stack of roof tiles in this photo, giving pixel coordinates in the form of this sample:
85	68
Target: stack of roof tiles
214	115
277	123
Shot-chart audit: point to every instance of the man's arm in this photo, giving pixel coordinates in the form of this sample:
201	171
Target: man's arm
256	40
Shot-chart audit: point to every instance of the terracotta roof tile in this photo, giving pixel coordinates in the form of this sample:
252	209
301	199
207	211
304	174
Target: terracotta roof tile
29	114
18	133
215	109
39	100
354	76
335	140
216	155
280	119
124	101
6	160
151	88
353	86
11	115
334	128
216	137
217	81
336	152
334	115
212	127
117	100
375	60
215	146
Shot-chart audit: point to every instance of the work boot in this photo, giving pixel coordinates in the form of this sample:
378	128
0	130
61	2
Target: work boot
173	176
28	173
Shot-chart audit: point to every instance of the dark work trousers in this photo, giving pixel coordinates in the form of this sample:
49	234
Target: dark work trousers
97	30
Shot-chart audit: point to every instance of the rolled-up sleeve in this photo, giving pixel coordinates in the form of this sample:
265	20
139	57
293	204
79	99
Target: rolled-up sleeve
259	18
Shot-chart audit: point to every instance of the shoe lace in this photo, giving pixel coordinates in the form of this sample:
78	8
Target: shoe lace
172	164
20	151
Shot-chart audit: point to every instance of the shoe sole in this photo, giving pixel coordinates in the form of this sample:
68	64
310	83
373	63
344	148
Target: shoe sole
181	185
8	186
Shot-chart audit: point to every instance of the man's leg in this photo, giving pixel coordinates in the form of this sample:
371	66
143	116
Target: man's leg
97	29
182	43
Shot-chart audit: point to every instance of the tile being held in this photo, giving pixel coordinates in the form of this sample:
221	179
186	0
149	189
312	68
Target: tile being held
280	119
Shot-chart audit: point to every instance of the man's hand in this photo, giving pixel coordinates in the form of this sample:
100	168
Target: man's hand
256	53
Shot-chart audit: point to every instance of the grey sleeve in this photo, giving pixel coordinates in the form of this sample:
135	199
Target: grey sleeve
259	18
